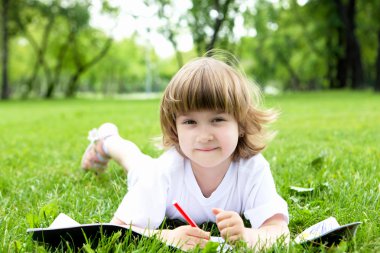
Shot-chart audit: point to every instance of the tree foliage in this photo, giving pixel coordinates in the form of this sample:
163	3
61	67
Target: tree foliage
60	41
313	45
50	48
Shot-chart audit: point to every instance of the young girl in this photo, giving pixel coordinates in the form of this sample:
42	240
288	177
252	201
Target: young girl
214	131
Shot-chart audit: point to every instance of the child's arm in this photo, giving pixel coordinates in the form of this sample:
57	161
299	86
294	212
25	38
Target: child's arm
232	228
184	237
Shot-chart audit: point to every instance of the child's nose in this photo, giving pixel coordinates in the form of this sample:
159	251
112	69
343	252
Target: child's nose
205	136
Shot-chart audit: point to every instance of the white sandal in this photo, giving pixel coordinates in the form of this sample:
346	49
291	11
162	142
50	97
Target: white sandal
95	158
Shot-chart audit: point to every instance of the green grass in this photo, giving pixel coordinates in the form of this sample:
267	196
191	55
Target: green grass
329	141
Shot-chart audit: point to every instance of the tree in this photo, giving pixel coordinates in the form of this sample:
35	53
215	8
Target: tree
172	24
369	16
5	41
337	26
211	23
349	63
377	81
276	43
207	19
82	65
319	33
86	37
122	70
53	30
46	18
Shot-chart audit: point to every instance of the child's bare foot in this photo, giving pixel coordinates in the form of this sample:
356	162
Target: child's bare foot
95	158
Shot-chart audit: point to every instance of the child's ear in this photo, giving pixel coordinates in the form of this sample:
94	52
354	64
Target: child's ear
241	131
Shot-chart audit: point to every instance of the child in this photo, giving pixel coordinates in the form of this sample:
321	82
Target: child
213	131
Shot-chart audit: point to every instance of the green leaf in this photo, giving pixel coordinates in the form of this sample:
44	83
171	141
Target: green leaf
211	247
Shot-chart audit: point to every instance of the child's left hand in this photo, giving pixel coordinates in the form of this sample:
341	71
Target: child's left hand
230	224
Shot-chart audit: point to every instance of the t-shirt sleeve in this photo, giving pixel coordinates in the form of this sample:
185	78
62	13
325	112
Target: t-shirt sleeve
264	201
145	202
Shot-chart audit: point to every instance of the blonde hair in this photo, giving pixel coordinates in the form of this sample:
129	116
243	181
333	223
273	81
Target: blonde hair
207	83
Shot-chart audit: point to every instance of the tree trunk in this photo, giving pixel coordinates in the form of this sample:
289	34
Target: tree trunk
330	64
294	79
341	68
218	23
58	67
40	51
73	84
349	64
175	46
82	68
30	81
353	49
341	56
377	83
5	81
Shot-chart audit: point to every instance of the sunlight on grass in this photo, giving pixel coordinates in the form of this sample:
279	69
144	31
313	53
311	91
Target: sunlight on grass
325	141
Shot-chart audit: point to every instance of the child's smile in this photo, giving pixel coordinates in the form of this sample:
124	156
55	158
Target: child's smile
206	149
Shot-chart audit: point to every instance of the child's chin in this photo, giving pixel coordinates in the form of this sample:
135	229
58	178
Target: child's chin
208	164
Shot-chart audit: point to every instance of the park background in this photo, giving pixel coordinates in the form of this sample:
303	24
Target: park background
60	48
66	70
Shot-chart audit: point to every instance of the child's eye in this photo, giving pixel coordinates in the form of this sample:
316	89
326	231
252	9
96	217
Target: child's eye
218	120
189	122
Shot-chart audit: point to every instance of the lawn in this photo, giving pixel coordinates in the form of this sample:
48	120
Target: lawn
326	141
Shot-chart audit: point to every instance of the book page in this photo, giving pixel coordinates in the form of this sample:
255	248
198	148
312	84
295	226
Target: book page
63	221
317	230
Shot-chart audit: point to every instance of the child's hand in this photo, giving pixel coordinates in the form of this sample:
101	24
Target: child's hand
186	237
230	225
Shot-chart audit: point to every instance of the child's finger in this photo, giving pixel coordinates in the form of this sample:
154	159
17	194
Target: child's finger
230	234
193	241
234	238
199	233
203	243
191	244
221	214
216	211
200	241
223	223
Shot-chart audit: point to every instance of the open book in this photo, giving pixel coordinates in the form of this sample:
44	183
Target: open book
327	232
65	229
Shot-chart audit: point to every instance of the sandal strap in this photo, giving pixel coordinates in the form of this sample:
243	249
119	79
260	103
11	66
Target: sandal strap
100	158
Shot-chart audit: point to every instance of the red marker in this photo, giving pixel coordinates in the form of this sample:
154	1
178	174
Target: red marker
184	215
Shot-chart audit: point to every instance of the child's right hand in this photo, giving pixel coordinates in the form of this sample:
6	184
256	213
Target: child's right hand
186	237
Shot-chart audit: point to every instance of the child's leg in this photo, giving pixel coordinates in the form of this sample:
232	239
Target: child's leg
125	153
107	144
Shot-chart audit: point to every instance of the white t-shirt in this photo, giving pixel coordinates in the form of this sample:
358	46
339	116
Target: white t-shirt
247	188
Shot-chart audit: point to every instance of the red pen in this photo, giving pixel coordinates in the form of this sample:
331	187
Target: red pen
184	215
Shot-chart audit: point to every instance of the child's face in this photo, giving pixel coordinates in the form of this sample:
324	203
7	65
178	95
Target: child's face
208	138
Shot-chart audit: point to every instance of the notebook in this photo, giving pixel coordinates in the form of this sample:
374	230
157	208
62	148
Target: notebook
64	230
327	232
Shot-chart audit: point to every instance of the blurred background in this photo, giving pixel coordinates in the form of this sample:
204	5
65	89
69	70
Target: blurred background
68	48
